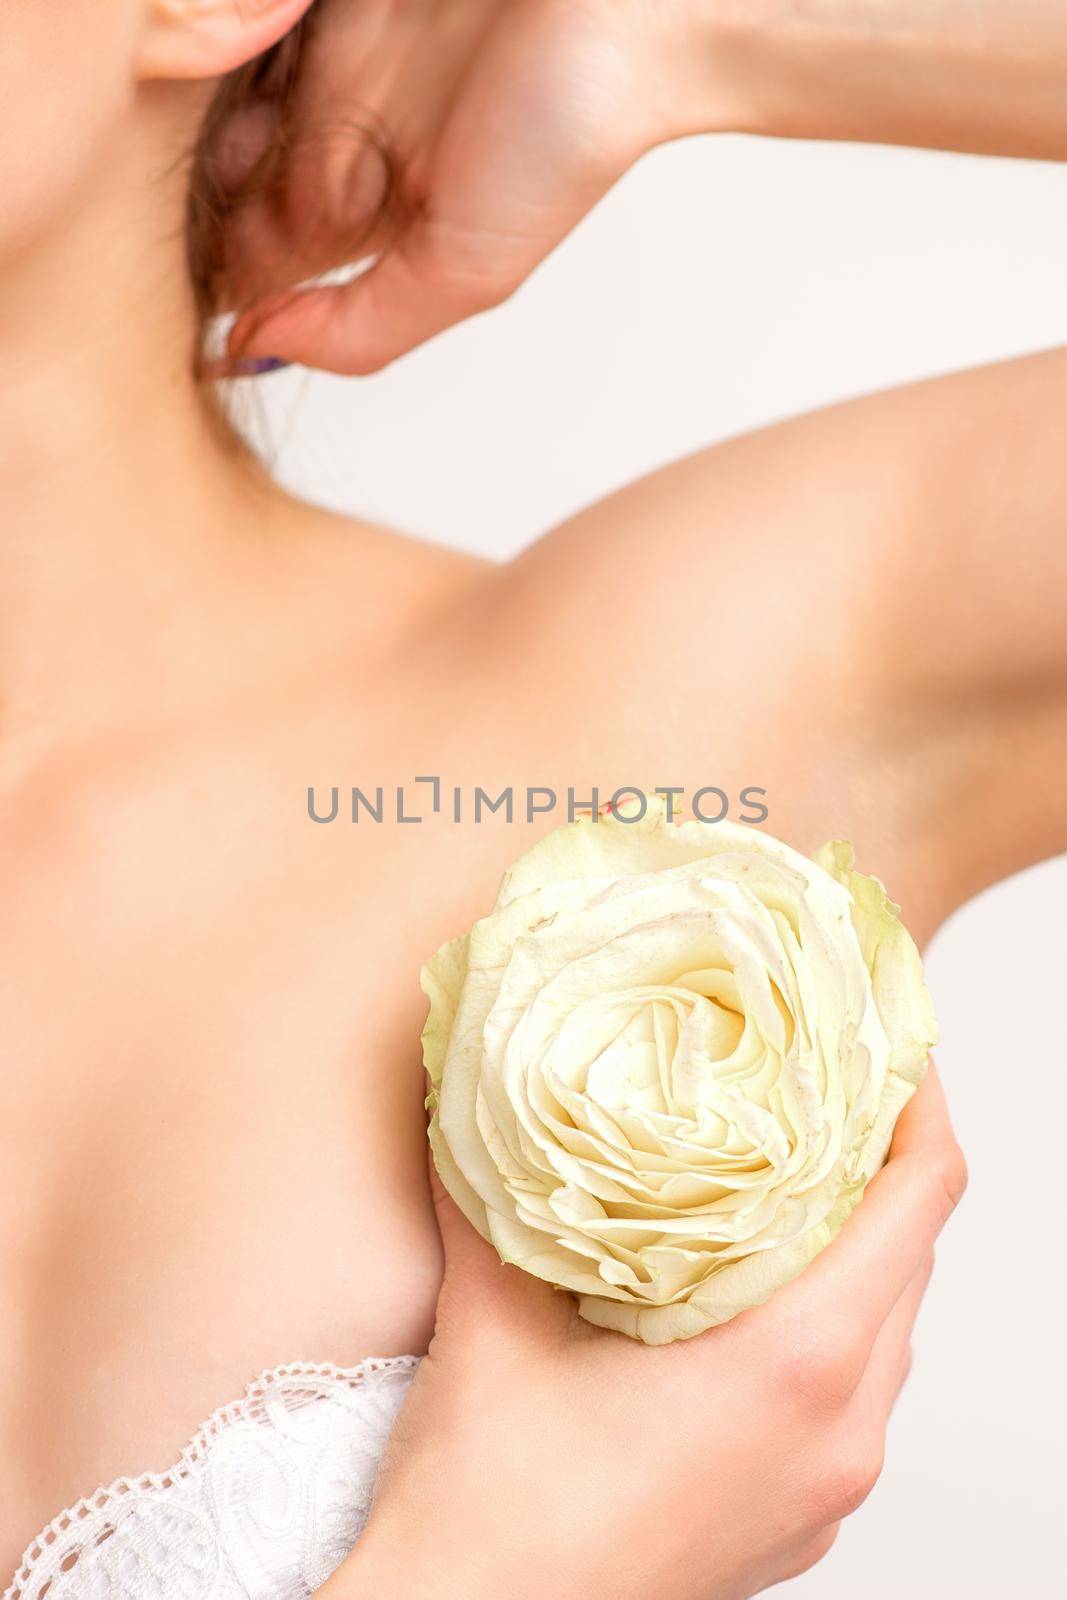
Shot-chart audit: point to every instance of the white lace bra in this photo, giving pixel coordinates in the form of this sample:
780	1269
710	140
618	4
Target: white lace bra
265	1503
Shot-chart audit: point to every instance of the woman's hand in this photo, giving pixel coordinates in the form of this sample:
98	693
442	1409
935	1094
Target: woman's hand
539	1456
509	119
506	122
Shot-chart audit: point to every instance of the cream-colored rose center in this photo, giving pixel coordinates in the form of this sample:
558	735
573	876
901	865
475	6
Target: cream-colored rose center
658	1107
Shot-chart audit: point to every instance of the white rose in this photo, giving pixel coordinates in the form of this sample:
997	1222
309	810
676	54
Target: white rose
667	1063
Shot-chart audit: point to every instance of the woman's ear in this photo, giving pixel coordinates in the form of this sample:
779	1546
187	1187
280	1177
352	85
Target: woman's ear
206	38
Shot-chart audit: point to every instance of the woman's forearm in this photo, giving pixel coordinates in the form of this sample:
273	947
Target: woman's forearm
988	76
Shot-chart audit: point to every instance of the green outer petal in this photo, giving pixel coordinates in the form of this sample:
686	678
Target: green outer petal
894	963
896	1093
442	981
472	1207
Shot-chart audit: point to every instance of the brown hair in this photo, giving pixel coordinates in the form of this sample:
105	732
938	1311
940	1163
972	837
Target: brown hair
219	195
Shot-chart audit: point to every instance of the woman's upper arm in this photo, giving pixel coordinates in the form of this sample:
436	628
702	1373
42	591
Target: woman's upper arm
889	575
939	509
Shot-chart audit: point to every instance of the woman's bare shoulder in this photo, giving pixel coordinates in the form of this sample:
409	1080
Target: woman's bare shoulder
875	588
376	574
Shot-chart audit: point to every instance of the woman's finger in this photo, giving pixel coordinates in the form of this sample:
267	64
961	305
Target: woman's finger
421	286
890	1358
885	1242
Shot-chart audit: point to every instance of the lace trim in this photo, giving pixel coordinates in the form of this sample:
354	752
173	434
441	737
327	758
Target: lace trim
252	1408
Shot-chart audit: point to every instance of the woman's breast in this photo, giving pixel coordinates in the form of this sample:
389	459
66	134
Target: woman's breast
213	1134
199	1208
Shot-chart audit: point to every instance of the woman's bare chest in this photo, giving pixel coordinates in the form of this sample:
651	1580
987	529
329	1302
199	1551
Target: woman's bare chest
211	1125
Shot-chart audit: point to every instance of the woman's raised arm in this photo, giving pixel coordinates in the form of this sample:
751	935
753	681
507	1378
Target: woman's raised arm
508	122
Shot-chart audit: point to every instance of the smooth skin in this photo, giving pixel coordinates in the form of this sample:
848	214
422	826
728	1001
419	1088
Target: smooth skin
202	990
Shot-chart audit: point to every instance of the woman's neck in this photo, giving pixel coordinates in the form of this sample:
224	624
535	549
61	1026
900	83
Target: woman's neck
127	517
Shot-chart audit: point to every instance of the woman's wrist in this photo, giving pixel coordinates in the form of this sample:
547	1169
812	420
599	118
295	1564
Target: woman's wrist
395	1563
986	77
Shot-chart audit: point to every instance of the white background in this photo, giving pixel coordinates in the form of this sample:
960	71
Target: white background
725	284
